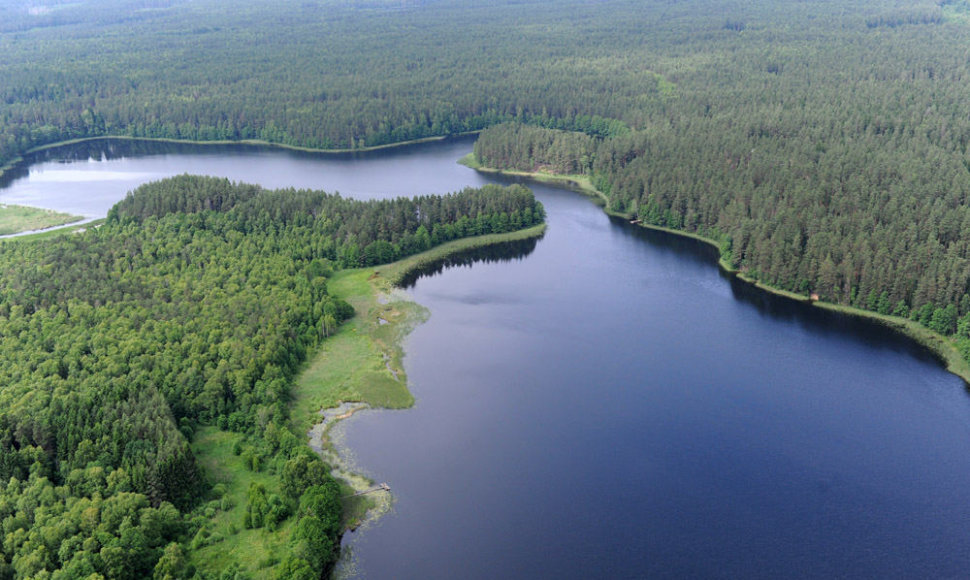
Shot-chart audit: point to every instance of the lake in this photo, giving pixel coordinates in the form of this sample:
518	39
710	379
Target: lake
607	403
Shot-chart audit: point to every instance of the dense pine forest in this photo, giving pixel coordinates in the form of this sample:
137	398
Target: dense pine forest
823	145
195	304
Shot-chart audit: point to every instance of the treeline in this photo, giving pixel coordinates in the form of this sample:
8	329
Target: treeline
195	304
321	75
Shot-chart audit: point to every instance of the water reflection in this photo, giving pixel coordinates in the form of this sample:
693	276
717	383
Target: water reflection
113	148
819	321
497	253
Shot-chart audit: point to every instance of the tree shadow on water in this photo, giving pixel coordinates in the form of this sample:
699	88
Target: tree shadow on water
819	321
511	251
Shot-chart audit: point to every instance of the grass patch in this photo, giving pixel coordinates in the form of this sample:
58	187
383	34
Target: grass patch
75	229
362	361
470	161
18	218
224	541
957	11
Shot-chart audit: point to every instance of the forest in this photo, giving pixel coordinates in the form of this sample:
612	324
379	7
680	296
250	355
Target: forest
195	304
823	145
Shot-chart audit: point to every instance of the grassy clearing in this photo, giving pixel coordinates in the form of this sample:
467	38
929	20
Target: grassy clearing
224	540
957	12
46	234
18	218
353	365
361	362
75	229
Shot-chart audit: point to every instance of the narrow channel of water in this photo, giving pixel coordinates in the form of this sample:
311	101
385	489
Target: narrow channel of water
608	404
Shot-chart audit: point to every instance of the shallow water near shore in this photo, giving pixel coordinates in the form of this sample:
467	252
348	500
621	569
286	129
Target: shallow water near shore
609	404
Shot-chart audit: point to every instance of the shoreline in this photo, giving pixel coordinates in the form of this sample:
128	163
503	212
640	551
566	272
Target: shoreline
74	227
11	163
362	367
575	182
25	220
938	345
395	272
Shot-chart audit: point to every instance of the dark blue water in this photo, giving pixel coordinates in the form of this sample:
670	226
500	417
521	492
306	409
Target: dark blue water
607	404
611	406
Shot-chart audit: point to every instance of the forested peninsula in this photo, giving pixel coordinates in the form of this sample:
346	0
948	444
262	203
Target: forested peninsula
191	308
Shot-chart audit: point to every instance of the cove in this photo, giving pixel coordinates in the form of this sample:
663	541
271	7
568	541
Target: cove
608	404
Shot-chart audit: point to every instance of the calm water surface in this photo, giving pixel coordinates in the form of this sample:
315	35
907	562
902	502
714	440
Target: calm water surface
607	404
